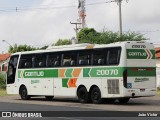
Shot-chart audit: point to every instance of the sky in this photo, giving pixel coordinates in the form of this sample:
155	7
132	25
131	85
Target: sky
42	22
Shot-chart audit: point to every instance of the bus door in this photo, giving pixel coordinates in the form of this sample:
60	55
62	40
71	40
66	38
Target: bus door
11	74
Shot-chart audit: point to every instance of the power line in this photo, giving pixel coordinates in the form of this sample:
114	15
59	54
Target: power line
18	9
99	3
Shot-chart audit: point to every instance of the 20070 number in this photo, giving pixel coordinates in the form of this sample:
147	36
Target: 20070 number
107	72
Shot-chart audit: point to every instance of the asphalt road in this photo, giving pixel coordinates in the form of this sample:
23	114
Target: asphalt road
67	106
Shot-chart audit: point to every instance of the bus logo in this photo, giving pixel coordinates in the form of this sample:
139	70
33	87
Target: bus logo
140	54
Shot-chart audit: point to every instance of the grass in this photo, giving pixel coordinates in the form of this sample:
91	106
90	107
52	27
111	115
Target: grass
3	92
158	92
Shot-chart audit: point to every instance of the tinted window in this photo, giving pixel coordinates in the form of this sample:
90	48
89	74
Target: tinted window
11	73
113	56
84	58
69	59
99	56
39	60
53	60
26	61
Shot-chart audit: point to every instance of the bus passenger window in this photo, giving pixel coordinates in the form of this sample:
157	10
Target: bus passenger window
25	61
100	61
56	63
99	57
69	59
27	65
113	56
84	59
53	60
72	62
40	60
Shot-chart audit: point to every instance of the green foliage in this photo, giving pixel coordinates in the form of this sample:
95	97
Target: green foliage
20	48
3	92
44	47
89	35
158	91
63	42
2	81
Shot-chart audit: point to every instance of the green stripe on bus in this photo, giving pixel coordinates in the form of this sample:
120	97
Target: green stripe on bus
86	72
103	72
38	73
153	53
140	54
91	72
65	82
68	73
19	72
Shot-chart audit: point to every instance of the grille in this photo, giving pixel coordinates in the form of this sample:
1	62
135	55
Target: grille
113	86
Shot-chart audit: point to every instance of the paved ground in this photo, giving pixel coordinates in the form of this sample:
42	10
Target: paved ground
14	103
140	104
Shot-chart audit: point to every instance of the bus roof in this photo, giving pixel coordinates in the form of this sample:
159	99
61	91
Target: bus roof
79	47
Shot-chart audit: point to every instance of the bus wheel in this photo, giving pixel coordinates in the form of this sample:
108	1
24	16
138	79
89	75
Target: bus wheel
49	98
23	93
123	100
83	95
96	95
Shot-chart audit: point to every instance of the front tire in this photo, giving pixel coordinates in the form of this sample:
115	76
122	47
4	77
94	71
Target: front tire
24	93
83	95
96	95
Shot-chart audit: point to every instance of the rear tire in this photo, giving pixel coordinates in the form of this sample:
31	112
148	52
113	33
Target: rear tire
83	95
24	93
49	98
96	95
123	100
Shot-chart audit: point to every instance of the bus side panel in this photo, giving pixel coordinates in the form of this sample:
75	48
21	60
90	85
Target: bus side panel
67	87
38	86
112	87
62	88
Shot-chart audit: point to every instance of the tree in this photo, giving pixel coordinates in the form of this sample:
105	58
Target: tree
63	42
20	48
89	35
44	47
2	81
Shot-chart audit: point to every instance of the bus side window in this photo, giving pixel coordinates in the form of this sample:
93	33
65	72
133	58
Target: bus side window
84	58
27	65
39	60
99	56
53	60
25	61
56	63
113	56
69	59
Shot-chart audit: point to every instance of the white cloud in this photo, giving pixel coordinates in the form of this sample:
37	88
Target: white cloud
39	27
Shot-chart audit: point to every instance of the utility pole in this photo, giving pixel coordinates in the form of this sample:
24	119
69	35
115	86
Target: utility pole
120	16
76	29
82	12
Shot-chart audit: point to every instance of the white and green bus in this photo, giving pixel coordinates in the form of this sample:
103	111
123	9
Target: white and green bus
91	72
